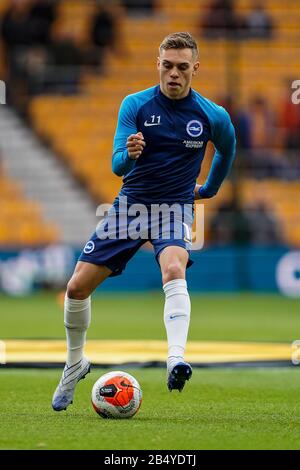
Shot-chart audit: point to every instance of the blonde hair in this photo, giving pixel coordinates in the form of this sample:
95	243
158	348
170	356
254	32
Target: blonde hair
180	40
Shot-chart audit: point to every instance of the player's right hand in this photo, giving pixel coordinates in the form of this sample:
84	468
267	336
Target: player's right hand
135	145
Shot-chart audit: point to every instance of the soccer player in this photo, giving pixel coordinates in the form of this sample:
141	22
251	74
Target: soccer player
159	144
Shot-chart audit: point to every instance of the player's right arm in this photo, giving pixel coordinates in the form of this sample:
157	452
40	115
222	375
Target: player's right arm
128	142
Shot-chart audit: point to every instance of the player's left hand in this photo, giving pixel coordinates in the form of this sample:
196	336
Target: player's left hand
196	191
204	193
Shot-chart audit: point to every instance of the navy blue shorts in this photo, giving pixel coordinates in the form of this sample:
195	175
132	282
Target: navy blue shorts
120	234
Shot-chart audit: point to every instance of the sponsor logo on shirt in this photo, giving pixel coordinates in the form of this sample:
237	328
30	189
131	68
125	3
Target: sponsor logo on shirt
193	144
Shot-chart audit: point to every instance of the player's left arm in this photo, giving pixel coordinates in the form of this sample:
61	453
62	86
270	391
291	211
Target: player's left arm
225	144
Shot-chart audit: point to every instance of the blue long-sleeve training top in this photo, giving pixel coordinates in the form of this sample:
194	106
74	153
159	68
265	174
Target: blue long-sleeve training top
176	133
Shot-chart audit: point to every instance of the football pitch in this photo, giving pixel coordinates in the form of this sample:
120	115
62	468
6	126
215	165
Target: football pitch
221	408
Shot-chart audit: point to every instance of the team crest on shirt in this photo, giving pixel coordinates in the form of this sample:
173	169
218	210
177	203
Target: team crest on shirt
194	128
89	247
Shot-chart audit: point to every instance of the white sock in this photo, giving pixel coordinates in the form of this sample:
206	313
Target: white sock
77	319
177	319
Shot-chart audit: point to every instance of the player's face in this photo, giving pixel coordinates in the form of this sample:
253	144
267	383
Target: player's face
176	69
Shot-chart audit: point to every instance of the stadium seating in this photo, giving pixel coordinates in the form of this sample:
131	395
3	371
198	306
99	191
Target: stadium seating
81	127
22	223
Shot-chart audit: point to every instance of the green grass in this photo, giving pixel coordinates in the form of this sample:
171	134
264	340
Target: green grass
219	409
214	317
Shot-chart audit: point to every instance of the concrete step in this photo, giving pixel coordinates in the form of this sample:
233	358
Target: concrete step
46	180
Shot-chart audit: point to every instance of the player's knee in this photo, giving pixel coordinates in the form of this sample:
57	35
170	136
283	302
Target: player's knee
75	290
173	271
